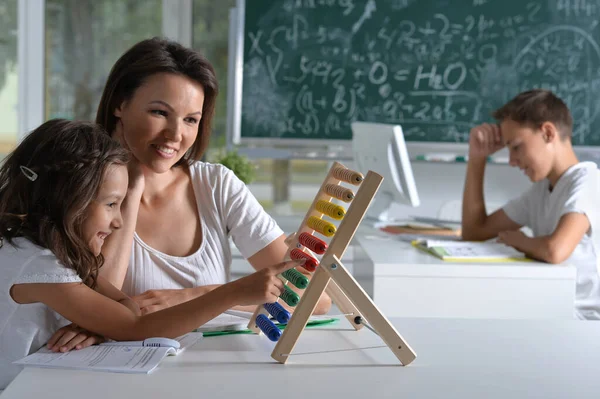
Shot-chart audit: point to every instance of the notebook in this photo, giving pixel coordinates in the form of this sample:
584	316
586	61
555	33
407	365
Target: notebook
109	358
474	251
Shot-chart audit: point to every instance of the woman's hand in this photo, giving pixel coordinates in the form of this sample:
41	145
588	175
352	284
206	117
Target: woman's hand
73	337
154	300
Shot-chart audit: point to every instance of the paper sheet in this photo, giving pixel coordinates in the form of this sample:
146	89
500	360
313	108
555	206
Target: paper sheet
119	359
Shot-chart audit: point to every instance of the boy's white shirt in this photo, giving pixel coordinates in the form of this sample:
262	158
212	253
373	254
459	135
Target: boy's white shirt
227	209
26	328
576	191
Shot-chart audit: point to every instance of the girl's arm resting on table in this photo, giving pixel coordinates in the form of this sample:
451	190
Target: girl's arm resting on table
117	248
100	314
75	337
273	254
95	312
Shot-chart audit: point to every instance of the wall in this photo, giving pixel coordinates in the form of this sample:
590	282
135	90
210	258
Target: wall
439	183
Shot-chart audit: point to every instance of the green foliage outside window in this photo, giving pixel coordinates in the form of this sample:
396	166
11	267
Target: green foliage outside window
243	168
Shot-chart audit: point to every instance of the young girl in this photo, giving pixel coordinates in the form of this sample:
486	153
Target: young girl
60	195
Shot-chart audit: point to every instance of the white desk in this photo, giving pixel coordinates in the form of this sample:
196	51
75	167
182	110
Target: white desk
406	282
463	359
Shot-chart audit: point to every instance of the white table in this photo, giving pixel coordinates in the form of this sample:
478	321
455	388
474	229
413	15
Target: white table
406	282
460	359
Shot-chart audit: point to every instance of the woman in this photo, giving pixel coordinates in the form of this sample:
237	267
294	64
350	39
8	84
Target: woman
179	213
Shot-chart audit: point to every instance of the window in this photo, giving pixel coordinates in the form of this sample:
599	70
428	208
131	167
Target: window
210	36
281	186
84	38
9	90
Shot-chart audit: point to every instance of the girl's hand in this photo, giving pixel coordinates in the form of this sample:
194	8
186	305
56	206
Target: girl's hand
73	337
484	140
136	172
262	286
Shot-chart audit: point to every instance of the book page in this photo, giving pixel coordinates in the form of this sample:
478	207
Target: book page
120	359
480	250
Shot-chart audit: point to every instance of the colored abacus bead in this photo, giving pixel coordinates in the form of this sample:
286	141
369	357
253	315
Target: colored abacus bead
332	210
339	192
313	243
321	226
278	312
295	277
348	176
268	327
310	264
290	297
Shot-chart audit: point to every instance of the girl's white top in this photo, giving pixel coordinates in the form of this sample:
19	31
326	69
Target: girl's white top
26	328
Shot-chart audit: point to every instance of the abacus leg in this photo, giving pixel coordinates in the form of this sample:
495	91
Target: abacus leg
343	303
302	312
369	310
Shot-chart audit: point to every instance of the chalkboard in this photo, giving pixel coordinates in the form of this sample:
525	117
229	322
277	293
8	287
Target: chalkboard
438	67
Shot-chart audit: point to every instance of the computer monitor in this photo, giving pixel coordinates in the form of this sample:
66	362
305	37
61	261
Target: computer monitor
382	149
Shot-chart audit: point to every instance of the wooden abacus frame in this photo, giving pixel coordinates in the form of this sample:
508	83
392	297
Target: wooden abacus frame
331	276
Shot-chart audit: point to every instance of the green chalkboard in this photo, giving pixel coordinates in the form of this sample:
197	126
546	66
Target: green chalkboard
438	67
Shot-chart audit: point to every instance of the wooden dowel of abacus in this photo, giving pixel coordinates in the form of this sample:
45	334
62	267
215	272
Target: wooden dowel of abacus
343	303
369	310
337	247
321	195
300	317
346	230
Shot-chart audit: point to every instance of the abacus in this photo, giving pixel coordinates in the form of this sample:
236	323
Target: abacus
329	274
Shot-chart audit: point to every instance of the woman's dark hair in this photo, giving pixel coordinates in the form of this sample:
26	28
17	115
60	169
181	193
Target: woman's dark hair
69	160
148	58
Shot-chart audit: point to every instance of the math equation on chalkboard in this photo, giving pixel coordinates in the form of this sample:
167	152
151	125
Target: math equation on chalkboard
438	67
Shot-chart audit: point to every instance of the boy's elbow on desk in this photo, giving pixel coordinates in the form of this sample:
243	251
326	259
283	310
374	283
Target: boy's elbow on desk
551	252
556	254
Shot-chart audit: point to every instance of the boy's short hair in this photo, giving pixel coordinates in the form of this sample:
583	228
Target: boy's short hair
534	107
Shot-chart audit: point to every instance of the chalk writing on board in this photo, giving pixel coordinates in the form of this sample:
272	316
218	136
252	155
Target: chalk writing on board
311	67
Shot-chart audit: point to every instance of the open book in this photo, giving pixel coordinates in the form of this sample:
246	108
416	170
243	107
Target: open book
473	251
109	357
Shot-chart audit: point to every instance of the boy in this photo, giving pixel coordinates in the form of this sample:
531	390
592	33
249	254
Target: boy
560	207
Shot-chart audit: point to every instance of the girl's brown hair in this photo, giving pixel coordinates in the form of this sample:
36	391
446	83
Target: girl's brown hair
69	160
148	58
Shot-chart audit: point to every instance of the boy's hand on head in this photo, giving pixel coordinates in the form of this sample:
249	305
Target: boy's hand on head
263	286
73	337
511	237
484	140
